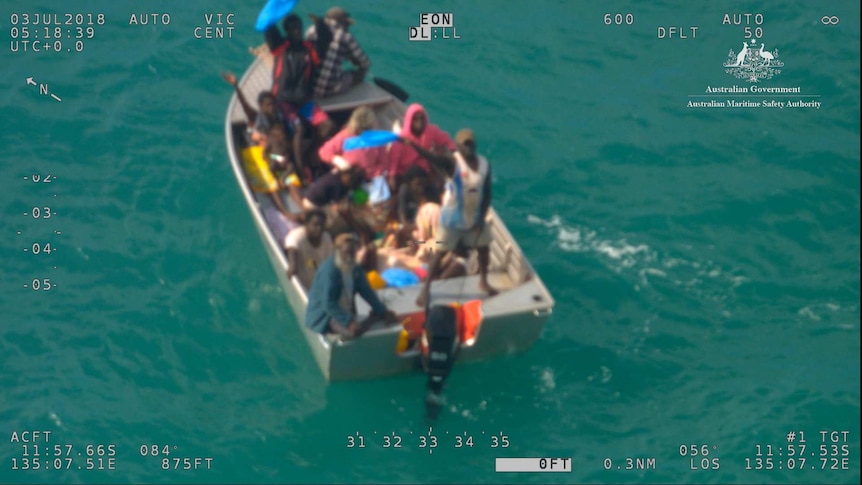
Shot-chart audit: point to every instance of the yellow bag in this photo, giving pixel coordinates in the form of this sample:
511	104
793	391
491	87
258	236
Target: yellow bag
257	171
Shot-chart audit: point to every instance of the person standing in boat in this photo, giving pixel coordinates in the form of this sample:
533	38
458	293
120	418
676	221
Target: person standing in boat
418	130
294	64
307	247
331	299
341	45
465	205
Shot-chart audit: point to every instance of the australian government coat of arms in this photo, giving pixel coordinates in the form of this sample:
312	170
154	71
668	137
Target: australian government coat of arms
753	63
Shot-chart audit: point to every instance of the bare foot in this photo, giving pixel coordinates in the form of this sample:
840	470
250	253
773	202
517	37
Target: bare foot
490	290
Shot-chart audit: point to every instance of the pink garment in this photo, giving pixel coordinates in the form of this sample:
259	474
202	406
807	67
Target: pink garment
375	160
402	156
334	146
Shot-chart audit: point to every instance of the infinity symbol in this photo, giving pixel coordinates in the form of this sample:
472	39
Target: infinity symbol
827	20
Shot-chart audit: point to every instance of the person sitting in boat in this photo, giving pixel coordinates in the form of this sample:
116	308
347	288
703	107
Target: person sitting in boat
294	62
263	164
259	122
334	188
338	194
422	227
465	205
374	160
331	299
419	213
268	117
341	45
413	193
418	130
307	247
262	122
261	179
276	151
413	196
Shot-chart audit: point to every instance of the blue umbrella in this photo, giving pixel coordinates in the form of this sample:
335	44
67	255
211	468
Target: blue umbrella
369	139
272	11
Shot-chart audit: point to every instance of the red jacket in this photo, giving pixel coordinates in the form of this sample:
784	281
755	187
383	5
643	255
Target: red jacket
279	73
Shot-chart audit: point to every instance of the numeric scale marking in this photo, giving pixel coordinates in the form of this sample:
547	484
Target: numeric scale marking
41	248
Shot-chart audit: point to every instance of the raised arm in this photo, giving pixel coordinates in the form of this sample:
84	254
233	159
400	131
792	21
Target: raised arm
250	112
273	37
443	162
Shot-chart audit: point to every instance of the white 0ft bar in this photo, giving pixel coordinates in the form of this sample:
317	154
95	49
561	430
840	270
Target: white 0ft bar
534	465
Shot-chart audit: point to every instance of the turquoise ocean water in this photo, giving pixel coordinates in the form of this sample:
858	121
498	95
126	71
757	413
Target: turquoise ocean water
705	261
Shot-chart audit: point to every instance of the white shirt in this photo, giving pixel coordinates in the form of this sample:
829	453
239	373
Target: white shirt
308	257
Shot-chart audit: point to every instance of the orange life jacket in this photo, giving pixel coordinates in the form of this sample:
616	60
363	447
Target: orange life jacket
468	319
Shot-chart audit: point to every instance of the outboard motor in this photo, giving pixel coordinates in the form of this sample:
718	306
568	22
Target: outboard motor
440	344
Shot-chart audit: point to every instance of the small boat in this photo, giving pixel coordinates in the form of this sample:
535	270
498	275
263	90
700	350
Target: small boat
511	321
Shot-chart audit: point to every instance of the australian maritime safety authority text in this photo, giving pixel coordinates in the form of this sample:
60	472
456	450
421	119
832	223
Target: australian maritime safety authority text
747	103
